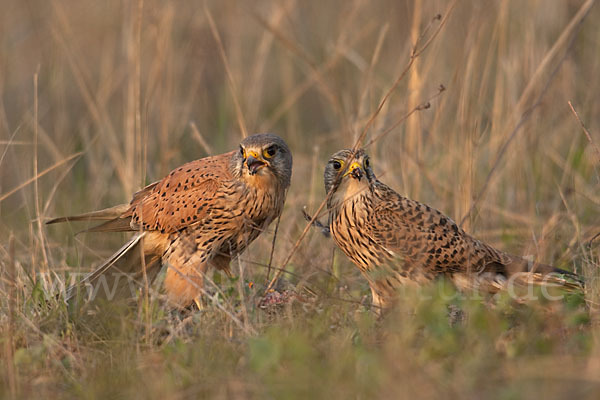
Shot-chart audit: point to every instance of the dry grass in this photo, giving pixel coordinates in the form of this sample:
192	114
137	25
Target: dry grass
99	98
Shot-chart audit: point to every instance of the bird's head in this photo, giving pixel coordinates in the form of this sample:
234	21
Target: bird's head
348	173
263	157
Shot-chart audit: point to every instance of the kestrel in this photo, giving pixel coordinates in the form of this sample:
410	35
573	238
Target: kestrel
395	240
201	215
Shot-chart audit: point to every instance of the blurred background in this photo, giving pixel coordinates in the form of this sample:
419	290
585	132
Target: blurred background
99	98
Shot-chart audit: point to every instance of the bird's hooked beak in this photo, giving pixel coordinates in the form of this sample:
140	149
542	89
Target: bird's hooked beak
254	162
355	170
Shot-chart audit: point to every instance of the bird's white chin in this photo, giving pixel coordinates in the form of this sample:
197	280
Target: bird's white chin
260	171
262	178
255	170
350	188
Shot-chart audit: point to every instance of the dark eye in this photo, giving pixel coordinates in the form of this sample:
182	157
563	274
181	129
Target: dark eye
270	151
367	163
336	165
242	152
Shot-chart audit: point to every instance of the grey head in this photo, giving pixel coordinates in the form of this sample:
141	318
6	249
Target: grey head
344	166
263	154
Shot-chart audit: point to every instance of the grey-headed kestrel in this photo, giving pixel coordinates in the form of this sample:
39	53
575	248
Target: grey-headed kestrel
201	215
395	240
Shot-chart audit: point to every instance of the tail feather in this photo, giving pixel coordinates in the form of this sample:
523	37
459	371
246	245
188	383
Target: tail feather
119	276
514	272
115	222
550	280
543	274
100	215
113	225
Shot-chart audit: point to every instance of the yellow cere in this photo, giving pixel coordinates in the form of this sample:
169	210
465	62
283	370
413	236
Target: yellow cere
352	167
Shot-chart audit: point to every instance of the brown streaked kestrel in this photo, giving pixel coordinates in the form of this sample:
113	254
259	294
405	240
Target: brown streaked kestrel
202	214
395	240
